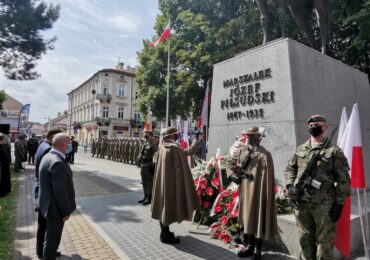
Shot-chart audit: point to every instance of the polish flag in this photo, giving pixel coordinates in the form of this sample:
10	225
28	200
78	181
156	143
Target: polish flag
185	141
165	35
204	116
351	145
148	122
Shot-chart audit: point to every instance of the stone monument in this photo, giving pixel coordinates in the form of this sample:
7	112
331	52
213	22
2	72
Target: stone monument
278	86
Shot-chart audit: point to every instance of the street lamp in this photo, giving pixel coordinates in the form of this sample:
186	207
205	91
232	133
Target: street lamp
93	92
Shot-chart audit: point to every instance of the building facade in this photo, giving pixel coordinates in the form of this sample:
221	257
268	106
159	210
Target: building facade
105	105
10	115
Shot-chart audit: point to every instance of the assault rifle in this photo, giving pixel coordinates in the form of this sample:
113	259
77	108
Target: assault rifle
243	169
301	189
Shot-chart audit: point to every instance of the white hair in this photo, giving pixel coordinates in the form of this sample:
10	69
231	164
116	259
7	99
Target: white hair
59	139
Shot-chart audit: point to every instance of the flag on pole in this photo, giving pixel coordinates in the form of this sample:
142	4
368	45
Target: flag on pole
343	236
185	141
203	120
161	133
165	35
148	122
342	125
351	144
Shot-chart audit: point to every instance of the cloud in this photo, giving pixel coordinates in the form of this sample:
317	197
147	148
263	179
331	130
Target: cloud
126	23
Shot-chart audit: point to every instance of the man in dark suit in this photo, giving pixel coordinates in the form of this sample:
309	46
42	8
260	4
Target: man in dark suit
42	150
57	195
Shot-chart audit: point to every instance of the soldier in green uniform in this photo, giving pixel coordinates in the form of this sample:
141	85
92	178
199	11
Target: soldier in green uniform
93	147
321	207
98	148
145	161
127	150
104	148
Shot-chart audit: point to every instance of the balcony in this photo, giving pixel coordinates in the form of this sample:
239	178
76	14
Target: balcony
104	97
102	121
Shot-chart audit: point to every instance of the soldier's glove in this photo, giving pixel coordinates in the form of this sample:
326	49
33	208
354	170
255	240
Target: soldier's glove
292	192
335	212
235	178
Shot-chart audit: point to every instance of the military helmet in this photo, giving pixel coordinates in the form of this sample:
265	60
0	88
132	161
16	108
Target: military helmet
169	131
316	118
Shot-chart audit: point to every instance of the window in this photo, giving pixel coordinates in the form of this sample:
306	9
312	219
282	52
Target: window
106	88
137	116
105	112
121	112
121	90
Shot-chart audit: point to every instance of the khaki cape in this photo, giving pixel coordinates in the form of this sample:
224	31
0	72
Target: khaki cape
174	198
257	209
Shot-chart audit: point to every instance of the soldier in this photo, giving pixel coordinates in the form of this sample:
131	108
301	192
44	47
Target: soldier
98	148
32	145
20	153
104	147
252	167
128	152
93	147
174	196
147	166
127	148
321	208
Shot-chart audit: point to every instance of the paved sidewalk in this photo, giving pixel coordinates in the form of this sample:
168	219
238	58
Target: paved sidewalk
79	240
110	224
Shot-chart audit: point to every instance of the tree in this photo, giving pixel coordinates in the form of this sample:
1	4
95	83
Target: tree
209	31
2	98
21	41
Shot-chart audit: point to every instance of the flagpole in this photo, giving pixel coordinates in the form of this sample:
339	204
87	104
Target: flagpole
168	82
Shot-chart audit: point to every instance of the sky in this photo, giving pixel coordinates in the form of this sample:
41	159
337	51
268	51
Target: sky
91	35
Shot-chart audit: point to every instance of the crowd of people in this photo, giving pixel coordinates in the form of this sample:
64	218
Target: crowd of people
169	188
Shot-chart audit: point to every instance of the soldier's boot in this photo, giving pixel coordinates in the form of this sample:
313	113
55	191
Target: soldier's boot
167	236
250	241
147	200
141	201
257	254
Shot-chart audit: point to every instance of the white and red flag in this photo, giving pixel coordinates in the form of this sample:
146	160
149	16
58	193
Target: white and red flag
165	35
148	122
351	144
203	120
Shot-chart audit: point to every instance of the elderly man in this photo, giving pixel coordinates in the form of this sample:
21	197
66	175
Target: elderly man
252	167
318	212
57	195
174	197
42	150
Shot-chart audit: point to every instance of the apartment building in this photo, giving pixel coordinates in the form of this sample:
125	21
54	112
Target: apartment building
105	105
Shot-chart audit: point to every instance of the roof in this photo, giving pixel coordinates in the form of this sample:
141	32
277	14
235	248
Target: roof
11	103
122	72
60	120
37	127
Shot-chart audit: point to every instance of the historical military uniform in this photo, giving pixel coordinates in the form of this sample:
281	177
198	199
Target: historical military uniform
257	209
315	214
147	169
174	196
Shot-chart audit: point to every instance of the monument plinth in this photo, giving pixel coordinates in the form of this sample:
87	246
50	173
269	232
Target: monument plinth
278	86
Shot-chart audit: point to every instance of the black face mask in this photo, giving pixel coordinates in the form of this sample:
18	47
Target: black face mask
253	140
315	131
146	137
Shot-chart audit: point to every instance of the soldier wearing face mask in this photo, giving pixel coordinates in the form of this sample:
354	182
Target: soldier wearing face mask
321	209
251	167
145	161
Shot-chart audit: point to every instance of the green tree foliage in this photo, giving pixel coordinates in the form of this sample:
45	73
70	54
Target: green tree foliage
21	39
206	32
2	98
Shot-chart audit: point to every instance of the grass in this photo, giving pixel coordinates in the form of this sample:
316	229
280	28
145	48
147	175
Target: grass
8	218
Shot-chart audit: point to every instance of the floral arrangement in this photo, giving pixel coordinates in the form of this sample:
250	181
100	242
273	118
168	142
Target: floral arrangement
225	211
281	197
209	179
220	204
